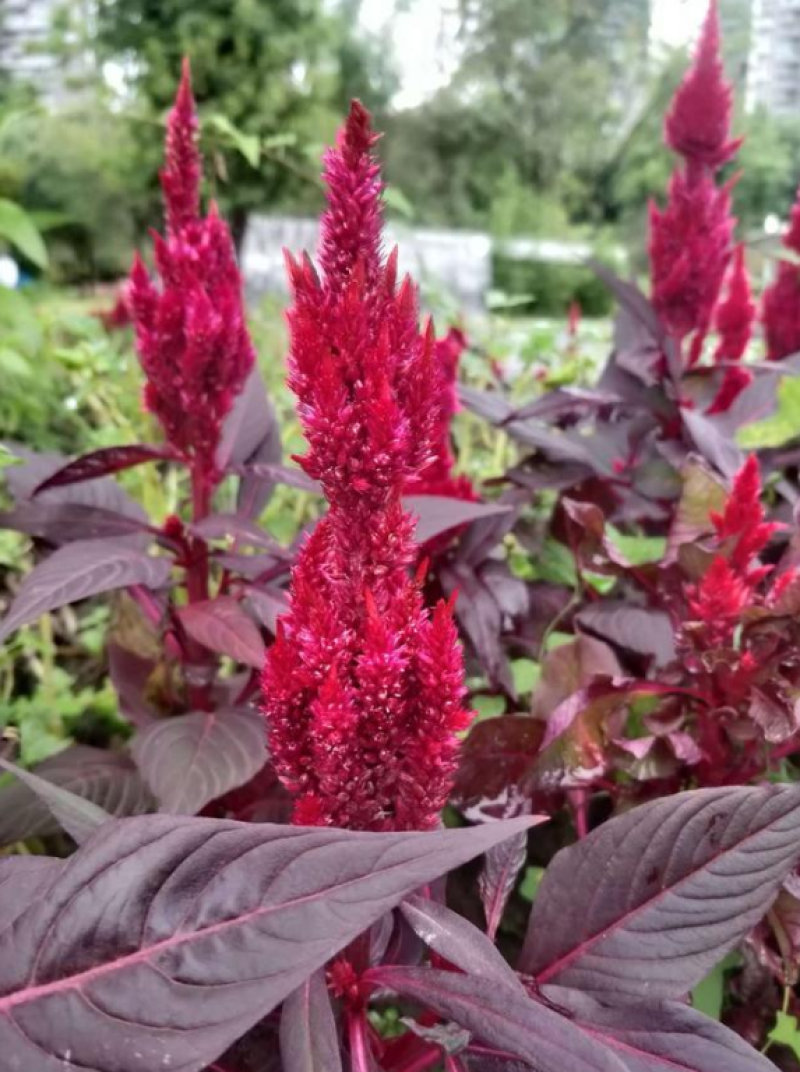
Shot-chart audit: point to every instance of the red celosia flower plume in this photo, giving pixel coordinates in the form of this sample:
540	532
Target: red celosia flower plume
780	310
690	240
736	314
690	244
732	580
363	687
698	123
191	334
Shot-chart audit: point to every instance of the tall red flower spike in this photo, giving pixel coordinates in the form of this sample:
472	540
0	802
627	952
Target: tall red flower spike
191	334
698	125
736	315
438	478
690	246
363	687
732	580
780	310
690	240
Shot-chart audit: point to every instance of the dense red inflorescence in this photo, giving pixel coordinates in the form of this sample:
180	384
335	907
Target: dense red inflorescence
191	334
732	581
363	687
691	238
780	309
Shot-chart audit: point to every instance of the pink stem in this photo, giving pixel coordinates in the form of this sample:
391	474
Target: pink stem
359	1043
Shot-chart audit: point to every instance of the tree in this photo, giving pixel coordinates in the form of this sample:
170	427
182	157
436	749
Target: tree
271	77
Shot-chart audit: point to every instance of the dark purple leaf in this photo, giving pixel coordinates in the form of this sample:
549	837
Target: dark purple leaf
643	630
504	1017
645	905
630	298
309	1039
268	603
273	473
101	463
482	537
107	779
436	514
663	1037
79	570
481	618
28	878
103	494
130	675
241	529
252	566
164	939
59	523
497	754
498	878
189	760
249	424
713	443
566	402
223	626
457	940
77	815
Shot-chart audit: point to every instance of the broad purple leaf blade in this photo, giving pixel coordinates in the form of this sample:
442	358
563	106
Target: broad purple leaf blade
164	939
222	626
241	529
107	779
663	1037
268	603
498	878
644	630
80	570
23	880
103	494
646	905
457	940
309	1038
77	815
189	760
436	514
101	463
59	523
503	1017
712	443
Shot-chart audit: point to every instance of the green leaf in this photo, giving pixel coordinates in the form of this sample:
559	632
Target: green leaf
8	459
638	550
786	1032
17	228
526	675
556	564
708	997
246	144
397	201
488	707
531	881
782	426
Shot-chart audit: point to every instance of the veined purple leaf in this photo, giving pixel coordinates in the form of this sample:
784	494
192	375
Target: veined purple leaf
457	940
27	877
250	422
101	463
497	754
79	570
437	514
189	760
107	779
268	603
644	630
78	816
712	442
481	618
242	529
663	1037
290	475
645	905
309	1038
504	1017
60	523
223	626
104	494
498	878
164	939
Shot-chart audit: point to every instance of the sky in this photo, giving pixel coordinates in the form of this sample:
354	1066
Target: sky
424	48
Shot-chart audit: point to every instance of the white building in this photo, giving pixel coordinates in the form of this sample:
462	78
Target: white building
25	26
773	80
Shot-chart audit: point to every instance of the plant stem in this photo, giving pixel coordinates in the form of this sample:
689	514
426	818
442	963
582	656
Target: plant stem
197	583
359	1044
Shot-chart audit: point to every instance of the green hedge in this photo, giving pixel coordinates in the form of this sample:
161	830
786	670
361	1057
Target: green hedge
552	287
